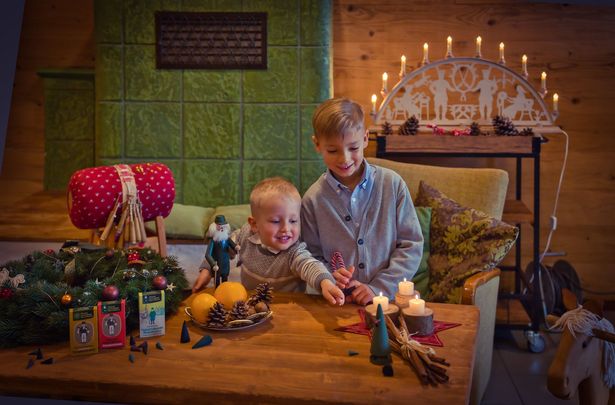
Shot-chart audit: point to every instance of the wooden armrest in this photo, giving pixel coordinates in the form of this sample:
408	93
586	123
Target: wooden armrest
472	283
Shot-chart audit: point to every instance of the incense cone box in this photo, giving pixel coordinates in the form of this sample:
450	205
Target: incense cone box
370	314
421	324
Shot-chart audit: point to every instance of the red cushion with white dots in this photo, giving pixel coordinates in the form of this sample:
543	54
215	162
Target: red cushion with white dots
92	193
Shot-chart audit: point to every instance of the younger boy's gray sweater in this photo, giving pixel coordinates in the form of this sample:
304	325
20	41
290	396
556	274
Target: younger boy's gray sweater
387	243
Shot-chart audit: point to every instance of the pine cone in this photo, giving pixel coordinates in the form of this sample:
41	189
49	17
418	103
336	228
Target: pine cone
263	293
503	126
527	132
217	315
387	128
410	127
239	311
474	129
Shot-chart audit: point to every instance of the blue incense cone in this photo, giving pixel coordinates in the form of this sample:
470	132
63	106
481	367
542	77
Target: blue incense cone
380	349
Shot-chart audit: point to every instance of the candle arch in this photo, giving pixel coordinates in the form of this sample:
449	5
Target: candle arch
456	90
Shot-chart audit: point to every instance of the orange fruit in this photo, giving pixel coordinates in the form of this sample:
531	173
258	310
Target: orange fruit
229	292
201	305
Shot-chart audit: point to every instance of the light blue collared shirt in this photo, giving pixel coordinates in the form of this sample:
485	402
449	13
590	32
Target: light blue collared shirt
355	200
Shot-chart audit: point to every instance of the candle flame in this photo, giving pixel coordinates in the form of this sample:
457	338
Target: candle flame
449	39
425	46
385	76
381	293
555	97
501	45
403	58
524	58
479	40
374	98
543	75
405	279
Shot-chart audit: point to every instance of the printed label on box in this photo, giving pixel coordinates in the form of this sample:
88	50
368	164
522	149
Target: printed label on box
83	324
111	324
151	314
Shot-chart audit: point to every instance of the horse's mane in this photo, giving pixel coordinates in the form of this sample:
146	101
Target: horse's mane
582	321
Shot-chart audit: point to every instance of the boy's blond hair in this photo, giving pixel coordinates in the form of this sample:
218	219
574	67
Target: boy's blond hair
272	186
337	116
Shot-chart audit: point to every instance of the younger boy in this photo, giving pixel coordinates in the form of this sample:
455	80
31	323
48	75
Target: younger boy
362	211
269	247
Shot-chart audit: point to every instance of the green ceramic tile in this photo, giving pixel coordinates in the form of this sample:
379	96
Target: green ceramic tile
211	131
316	75
107	161
153	130
282	19
109	72
307	130
69	115
212	85
257	170
210	183
211	5
144	81
276	84
139	19
63	158
316	22
270	132
107	17
109	130
310	172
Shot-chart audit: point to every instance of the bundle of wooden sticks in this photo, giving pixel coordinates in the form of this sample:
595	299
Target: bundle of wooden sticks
130	222
430	368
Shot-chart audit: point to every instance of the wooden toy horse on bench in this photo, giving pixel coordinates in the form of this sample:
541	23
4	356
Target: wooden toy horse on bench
585	358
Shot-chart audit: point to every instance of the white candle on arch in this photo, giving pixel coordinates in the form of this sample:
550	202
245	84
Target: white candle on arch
479	42
384	81
502	60
382	300
402	71
524	66
555	101
449	46
405	287
374	99
425	53
543	83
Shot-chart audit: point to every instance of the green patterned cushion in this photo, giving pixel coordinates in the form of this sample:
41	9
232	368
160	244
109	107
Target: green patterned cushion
464	241
421	278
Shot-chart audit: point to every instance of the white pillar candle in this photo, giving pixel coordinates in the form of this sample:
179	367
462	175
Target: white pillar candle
416	306
502	60
555	100
384	82
524	66
425	53
543	83
479	42
402	71
382	300
406	287
449	47
374	99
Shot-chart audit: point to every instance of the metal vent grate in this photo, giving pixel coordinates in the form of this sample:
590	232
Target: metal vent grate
211	40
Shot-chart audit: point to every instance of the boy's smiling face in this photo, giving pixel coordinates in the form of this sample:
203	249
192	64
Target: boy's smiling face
277	221
343	155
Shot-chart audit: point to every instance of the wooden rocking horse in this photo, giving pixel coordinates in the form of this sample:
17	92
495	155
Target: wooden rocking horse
585	358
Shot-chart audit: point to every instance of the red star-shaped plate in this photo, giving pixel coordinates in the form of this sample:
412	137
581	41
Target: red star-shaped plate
431	340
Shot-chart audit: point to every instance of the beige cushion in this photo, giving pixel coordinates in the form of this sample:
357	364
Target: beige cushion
483	189
185	222
236	215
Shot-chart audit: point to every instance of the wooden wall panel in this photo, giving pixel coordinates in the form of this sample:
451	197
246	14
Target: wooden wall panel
572	43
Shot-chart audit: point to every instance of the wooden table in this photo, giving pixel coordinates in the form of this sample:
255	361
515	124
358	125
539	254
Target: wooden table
295	357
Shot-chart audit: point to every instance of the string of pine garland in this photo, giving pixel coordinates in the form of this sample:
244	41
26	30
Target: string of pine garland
33	311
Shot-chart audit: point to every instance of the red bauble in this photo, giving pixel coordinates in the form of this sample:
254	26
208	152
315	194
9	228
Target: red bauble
49	252
110	253
110	293
6	293
160	282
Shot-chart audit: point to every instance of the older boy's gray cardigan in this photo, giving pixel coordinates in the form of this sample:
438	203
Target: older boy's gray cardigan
387	244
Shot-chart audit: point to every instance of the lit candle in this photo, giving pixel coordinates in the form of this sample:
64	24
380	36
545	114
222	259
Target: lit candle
384	81
416	306
406	287
524	66
555	100
425	53
402	72
383	301
479	41
374	98
543	83
502	60
449	47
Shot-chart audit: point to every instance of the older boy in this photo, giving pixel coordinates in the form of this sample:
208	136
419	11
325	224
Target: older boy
365	212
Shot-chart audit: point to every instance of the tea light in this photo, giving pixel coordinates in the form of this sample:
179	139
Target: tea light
374	99
555	100
384	82
383	301
425	53
543	83
402	72
405	287
449	47
524	66
416	306
479	42
502	60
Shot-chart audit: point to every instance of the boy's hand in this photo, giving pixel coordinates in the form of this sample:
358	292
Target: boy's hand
331	292
342	276
362	294
202	281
